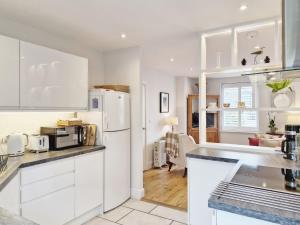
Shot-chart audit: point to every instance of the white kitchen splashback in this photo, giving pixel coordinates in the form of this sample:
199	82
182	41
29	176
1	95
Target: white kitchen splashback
29	122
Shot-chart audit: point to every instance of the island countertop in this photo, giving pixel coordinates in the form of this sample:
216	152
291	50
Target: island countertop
249	158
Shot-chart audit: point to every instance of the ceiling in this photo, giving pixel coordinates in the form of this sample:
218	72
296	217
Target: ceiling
100	23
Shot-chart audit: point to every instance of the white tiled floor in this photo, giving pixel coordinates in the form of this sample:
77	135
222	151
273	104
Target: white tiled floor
136	212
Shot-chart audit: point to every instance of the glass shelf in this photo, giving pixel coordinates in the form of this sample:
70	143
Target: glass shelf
291	109
240	70
272	72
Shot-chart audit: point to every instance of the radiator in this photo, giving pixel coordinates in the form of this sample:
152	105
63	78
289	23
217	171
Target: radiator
159	153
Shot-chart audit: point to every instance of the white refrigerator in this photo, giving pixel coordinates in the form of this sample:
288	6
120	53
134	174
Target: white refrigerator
110	111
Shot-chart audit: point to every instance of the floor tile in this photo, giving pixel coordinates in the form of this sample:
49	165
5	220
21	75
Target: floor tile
116	214
100	221
141	218
140	205
176	223
169	213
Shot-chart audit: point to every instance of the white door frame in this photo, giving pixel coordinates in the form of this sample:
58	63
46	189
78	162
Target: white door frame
144	125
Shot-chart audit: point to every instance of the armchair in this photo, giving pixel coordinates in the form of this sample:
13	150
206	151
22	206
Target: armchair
186	144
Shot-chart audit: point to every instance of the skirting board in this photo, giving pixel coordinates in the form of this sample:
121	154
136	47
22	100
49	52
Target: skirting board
87	216
137	194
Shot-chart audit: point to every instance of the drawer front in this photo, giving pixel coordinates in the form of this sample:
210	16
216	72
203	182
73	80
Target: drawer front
48	186
54	209
40	172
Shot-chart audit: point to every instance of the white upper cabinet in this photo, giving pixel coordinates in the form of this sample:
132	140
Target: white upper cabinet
9	72
50	79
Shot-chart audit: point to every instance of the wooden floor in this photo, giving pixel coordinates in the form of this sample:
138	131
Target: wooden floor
164	187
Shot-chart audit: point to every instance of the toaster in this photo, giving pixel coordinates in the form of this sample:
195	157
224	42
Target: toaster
38	143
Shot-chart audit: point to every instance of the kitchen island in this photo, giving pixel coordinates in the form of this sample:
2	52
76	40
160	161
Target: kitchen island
36	183
221	183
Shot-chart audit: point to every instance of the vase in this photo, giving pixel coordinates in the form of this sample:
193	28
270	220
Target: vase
283	98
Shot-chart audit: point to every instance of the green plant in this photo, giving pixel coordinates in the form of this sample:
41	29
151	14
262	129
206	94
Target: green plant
272	124
279	85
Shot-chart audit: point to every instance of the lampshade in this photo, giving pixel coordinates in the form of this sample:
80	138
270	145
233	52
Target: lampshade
172	120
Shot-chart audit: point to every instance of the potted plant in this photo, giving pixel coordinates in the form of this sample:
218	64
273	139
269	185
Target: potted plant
282	93
272	124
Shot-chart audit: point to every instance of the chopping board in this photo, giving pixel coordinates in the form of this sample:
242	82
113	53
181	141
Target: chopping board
91	132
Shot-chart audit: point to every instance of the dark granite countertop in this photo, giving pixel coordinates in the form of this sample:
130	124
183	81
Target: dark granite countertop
241	158
31	159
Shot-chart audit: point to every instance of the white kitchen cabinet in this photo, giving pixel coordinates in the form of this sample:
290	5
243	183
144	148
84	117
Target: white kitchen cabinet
55	208
9	72
88	182
203	178
51	79
226	218
10	196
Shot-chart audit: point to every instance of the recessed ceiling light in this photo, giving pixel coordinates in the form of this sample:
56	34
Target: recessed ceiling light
243	7
172	59
123	36
191	69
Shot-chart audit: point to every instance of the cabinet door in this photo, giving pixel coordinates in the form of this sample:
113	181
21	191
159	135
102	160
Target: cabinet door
203	177
225	218
88	182
9	72
50	79
10	196
56	208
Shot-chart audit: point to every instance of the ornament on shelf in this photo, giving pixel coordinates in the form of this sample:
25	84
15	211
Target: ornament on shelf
259	51
267	59
244	62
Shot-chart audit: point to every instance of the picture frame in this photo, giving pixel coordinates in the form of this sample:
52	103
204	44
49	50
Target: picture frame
163	102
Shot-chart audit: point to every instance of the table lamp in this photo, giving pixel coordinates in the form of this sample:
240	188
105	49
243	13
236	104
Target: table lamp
172	121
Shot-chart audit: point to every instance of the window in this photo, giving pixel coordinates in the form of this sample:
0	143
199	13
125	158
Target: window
241	114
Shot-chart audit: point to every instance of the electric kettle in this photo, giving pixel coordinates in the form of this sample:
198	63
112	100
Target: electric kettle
16	144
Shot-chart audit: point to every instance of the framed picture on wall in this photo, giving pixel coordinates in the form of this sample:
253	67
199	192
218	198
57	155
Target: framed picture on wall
164	102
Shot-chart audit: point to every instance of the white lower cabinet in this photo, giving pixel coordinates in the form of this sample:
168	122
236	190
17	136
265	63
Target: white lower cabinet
89	182
63	191
55	208
203	178
226	218
10	196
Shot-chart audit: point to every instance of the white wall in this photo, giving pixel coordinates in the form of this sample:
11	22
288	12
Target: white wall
123	67
30	34
184	86
29	122
156	82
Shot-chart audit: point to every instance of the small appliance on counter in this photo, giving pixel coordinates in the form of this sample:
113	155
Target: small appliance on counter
16	144
38	143
289	145
63	137
296	128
